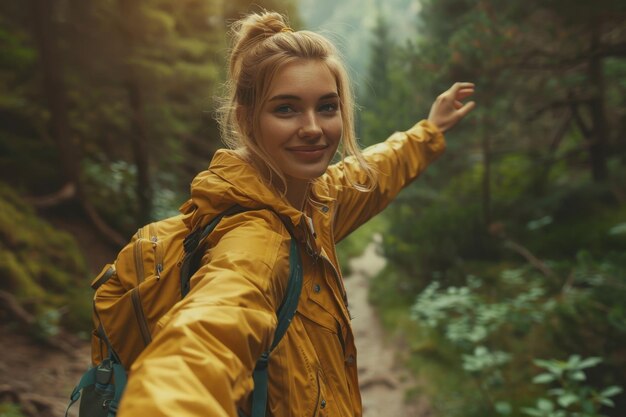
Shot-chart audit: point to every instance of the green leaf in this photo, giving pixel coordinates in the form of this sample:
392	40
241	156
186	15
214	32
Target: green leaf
503	408
589	362
553	366
618	229
532	412
578	376
539	223
545	405
567	399
556	391
543	378
607	401
611	391
574	361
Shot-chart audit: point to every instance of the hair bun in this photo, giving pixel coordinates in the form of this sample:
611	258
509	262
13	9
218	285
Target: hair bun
250	31
259	25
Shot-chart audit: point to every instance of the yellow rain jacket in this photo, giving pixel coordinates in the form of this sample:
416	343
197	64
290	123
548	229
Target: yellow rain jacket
201	359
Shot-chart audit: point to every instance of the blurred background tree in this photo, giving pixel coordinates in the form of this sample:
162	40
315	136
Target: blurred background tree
533	179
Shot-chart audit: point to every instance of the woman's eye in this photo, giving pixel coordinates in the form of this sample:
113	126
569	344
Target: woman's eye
329	107
284	109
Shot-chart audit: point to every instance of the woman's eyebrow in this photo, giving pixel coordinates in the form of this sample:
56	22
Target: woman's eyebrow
294	97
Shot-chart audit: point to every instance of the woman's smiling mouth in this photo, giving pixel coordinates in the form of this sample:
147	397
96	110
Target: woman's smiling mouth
308	152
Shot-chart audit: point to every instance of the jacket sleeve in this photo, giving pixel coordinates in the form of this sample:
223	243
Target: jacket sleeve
397	161
201	360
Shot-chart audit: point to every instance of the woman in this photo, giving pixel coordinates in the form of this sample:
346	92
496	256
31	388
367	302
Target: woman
288	111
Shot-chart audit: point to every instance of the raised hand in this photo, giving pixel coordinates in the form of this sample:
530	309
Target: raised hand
448	109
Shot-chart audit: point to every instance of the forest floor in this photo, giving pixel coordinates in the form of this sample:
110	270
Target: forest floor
41	377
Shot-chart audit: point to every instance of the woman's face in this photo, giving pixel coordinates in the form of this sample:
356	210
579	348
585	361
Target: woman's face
300	124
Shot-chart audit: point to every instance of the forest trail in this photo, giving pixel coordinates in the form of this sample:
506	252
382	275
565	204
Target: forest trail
383	379
41	377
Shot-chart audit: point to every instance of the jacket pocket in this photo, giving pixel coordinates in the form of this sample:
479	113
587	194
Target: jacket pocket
320	407
313	309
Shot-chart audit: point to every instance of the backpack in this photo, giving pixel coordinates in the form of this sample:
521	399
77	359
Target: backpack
151	273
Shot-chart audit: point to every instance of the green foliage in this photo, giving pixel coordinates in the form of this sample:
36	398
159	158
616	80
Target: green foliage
481	329
41	266
468	319
519	183
111	187
432	241
573	397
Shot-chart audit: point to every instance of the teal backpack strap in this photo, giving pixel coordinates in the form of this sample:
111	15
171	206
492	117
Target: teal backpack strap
120	383
88	378
285	314
192	244
102	387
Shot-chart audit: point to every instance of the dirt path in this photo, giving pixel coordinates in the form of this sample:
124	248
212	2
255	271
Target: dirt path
383	381
40	377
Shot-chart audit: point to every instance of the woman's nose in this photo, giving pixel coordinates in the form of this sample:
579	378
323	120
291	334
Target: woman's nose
310	127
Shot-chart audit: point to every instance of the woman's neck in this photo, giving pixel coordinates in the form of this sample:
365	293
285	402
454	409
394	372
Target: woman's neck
297	192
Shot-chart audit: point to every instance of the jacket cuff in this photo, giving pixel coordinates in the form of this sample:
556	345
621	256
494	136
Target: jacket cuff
429	133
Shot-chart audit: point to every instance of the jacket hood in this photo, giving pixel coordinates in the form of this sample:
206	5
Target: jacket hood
229	181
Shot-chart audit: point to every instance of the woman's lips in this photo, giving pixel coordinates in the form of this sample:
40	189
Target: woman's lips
308	152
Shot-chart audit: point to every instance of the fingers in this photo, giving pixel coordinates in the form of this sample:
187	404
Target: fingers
464	110
464	93
461	85
460	91
449	108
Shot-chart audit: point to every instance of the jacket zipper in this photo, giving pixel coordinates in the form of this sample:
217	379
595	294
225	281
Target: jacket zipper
337	279
158	254
141	318
139	257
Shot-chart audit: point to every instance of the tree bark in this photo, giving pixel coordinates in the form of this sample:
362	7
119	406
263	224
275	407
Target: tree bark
540	180
599	131
486	183
51	59
45	34
139	144
139	132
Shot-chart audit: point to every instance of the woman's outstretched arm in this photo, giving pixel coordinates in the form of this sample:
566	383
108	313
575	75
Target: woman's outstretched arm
398	161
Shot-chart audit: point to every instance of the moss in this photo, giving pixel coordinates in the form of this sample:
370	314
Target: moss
40	265
17	279
10	410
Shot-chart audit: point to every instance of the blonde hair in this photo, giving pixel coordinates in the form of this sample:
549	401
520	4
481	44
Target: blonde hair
261	44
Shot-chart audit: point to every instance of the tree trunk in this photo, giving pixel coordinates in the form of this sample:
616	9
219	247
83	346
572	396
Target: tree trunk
486	148
139	132
139	143
599	131
51	61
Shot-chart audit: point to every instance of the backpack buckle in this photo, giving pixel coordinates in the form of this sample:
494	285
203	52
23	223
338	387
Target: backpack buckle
104	373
